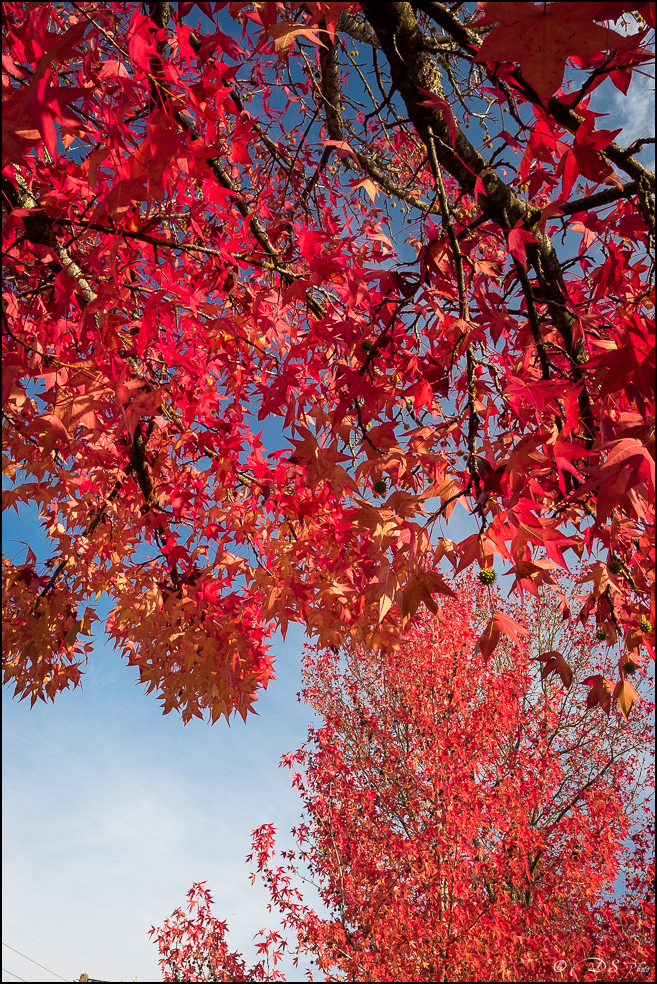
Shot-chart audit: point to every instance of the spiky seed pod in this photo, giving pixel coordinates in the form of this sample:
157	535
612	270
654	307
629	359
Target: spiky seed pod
629	667
601	635
380	487
645	626
487	576
615	566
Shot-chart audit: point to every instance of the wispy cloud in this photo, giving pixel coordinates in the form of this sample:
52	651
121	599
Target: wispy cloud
637	109
634	112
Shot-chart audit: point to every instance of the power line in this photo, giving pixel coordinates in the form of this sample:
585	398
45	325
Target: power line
5	971
32	961
75	946
31	938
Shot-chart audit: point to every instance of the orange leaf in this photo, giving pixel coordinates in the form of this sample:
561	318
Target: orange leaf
285	33
420	588
412	597
625	694
367	185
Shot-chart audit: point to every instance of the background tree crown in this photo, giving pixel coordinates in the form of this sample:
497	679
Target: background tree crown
461	821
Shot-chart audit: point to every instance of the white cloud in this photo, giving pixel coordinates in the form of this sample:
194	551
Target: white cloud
634	112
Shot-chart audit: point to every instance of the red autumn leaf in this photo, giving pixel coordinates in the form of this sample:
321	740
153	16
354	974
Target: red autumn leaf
541	36
443	108
141	44
600	692
518	239
489	639
510	627
497	624
329	11
555	663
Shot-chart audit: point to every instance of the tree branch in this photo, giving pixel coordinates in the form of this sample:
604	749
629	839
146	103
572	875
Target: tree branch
563	114
413	69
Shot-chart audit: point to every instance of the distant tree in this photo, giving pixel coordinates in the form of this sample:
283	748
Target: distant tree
394	232
462	819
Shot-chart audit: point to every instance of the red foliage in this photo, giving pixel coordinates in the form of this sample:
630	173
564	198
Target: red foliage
199	242
461	821
194	948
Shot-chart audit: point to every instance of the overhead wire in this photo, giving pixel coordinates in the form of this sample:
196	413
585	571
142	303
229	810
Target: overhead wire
32	961
70	945
31	938
5	971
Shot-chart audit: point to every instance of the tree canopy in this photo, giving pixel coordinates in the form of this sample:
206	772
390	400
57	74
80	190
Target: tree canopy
284	284
461	821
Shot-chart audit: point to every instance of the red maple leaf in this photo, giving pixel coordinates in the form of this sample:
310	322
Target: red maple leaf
555	663
540	37
518	239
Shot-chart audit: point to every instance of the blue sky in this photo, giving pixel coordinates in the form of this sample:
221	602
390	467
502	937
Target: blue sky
111	811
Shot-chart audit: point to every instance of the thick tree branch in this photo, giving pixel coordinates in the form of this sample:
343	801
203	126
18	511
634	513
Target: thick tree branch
599	199
414	70
331	98
39	229
532	317
328	63
563	114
